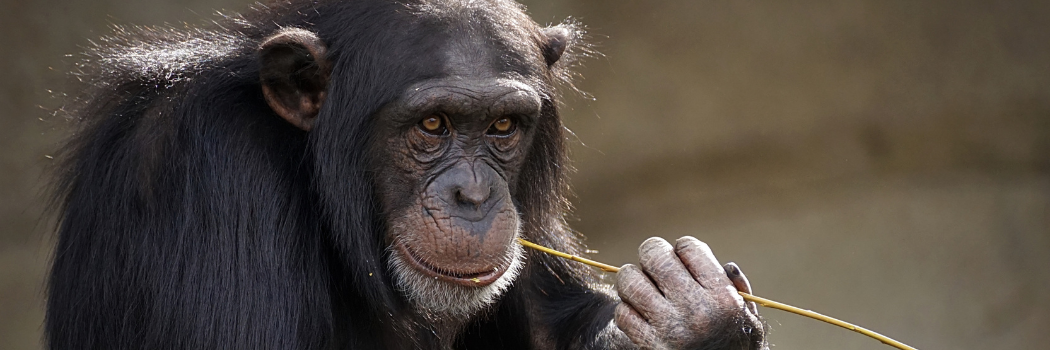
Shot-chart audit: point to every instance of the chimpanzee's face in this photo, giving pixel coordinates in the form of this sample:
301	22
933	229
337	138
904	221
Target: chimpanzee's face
445	153
451	149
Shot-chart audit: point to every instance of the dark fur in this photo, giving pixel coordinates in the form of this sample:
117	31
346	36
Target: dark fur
193	217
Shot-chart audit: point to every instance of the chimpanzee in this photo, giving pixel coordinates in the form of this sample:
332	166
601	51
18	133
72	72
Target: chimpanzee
349	174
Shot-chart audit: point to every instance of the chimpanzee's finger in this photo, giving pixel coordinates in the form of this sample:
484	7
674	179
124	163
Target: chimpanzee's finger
701	263
635	289
659	260
634	325
736	275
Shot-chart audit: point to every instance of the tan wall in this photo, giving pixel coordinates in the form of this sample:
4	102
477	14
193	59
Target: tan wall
887	162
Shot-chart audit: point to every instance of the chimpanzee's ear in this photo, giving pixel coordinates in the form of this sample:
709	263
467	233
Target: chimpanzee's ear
558	38
294	75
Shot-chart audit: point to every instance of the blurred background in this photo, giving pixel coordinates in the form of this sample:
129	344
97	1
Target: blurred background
885	162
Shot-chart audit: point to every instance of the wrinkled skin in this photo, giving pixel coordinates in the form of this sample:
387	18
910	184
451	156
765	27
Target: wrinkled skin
679	297
449	191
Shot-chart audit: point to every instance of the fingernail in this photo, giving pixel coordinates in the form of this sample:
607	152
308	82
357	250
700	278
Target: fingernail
734	270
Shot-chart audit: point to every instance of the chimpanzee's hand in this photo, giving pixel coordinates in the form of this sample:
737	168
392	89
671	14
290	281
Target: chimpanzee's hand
681	298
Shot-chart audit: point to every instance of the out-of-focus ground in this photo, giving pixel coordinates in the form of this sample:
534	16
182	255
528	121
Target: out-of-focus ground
886	162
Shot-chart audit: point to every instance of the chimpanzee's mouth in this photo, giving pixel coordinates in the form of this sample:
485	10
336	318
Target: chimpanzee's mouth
470	279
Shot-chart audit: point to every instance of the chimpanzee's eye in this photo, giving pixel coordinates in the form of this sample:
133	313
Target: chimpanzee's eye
433	125
504	126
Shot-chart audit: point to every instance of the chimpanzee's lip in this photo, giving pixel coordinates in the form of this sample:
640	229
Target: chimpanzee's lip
474	279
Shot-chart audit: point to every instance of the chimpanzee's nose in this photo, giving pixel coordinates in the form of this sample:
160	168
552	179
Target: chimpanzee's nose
472	194
468	187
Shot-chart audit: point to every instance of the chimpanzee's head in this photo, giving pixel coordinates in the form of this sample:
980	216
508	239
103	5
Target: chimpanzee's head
456	153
